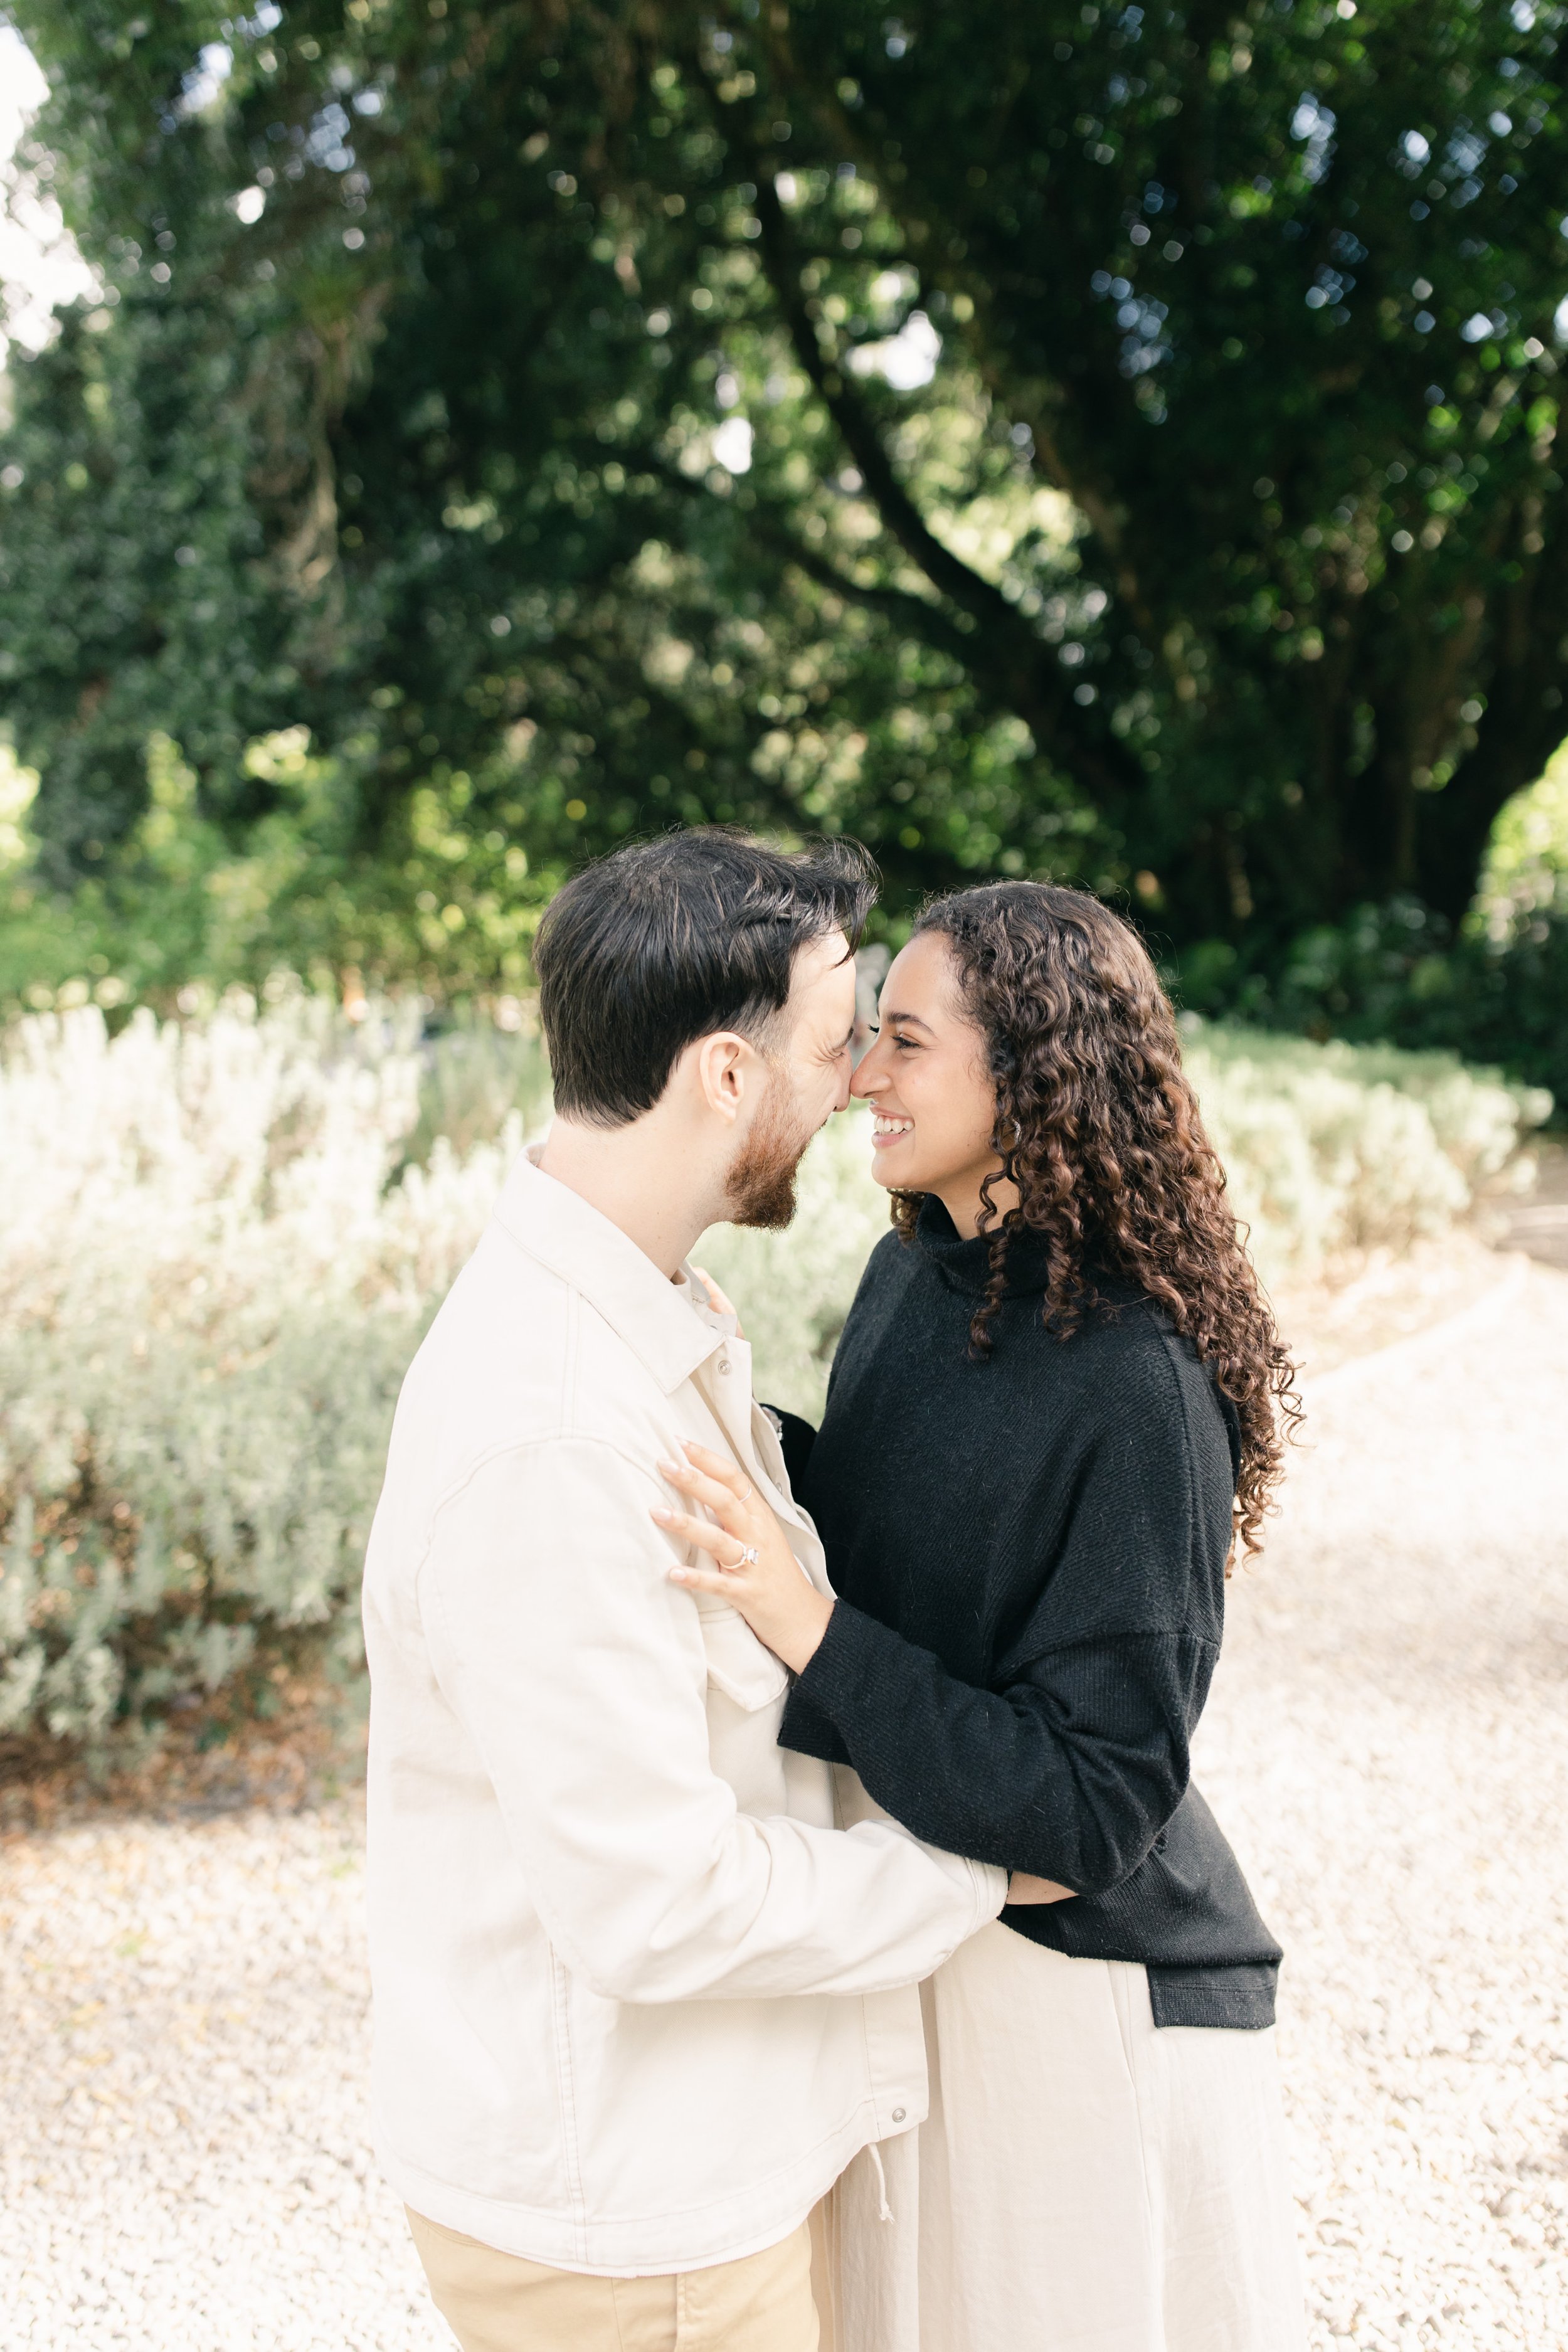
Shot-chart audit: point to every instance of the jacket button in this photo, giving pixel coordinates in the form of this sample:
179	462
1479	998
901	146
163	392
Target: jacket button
898	2114
723	1363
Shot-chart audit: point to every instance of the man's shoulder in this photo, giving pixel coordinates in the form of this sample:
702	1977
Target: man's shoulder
515	1355
517	1366
502	1324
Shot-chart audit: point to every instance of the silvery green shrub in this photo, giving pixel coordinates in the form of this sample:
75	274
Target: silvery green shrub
1335	1149
216	1259
211	1281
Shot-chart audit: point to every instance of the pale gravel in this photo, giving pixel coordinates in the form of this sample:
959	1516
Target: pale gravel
184	2150
1388	1746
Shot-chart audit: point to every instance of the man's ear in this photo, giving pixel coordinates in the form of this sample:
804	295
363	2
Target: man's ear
721	1068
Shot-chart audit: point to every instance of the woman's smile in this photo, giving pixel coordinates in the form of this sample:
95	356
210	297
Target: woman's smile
928	1052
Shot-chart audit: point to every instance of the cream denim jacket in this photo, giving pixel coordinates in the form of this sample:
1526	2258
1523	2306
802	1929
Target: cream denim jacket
638	2001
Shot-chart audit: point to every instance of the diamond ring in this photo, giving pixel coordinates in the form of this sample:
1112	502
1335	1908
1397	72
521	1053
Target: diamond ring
749	1557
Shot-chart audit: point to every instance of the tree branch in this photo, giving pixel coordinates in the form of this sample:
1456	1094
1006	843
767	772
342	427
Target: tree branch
946	572
924	619
1096	501
1002	643
919	615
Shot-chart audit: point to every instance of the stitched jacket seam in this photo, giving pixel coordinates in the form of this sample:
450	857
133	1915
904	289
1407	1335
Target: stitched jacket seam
566	2091
568	1427
865	2104
508	1448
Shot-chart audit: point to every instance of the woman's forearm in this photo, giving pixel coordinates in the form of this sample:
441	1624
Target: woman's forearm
1069	1775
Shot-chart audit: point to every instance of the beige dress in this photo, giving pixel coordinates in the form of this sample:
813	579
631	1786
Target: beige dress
1085	2182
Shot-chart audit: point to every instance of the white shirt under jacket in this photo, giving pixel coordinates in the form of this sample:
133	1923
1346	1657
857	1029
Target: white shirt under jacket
638	2001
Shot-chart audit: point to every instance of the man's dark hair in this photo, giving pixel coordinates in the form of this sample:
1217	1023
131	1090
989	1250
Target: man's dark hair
666	942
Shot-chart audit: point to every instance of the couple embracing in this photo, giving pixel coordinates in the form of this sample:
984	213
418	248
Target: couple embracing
793	1920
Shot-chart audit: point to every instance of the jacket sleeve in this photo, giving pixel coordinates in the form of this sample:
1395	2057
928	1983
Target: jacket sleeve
1072	1761
581	1674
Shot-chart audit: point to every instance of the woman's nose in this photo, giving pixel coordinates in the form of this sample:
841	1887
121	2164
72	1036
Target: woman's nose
866	1080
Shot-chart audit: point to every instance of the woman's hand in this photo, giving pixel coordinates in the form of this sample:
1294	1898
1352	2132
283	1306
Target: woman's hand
755	1570
757	1573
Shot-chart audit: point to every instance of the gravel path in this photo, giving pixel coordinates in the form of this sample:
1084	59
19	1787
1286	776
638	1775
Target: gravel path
183	2148
183	2142
1387	1745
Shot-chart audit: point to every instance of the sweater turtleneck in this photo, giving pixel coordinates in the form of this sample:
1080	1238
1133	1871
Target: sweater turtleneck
965	1265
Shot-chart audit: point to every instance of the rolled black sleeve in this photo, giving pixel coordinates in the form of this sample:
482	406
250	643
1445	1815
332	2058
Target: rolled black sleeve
1070	1770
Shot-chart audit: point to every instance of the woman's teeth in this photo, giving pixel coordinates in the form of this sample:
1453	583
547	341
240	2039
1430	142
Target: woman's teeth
882	1125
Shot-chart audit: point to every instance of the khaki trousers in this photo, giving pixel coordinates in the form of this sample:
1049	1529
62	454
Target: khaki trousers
500	2302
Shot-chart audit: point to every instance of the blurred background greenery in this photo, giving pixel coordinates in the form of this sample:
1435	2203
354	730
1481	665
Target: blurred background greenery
1116	442
1110	443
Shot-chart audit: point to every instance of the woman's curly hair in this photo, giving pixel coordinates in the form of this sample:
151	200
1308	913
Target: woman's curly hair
1099	1128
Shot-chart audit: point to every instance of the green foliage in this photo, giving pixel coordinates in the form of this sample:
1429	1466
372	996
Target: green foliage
1497	992
186	901
1397	972
217	1253
527	402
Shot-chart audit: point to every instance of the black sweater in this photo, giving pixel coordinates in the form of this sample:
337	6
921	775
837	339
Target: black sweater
1029	1553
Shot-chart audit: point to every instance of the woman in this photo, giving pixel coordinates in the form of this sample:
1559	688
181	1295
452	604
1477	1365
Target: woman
1055	1410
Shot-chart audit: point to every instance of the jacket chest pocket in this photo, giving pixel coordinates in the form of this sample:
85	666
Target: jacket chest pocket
738	1663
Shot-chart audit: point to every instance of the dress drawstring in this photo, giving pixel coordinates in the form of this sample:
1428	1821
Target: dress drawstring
884	2211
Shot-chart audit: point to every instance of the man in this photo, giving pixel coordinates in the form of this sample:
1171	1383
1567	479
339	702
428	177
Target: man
638	1999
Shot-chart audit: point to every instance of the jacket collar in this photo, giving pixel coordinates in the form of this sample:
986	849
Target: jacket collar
666	1325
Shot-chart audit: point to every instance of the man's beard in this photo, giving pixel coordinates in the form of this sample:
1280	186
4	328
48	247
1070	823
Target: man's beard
761	1187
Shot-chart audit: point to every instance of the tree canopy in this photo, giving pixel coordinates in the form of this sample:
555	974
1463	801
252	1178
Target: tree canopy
1114	441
